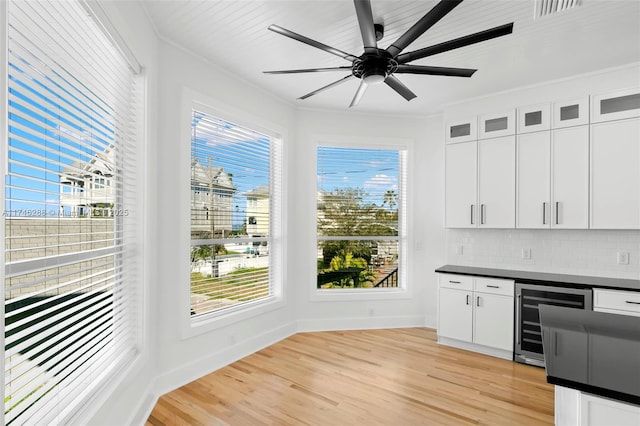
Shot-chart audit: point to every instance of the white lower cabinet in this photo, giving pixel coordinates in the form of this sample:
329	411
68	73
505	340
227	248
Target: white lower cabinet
573	407
476	313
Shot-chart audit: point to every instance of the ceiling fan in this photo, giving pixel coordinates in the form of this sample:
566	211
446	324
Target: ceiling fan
377	65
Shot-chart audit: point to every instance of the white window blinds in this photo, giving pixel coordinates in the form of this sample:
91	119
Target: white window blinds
360	203
235	175
69	214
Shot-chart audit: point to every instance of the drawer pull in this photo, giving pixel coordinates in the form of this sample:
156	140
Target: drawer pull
454	282
493	286
632	302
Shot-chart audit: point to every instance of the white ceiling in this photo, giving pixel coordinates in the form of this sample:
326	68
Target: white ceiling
233	34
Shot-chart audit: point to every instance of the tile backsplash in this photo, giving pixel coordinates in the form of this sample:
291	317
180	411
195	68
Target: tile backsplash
578	252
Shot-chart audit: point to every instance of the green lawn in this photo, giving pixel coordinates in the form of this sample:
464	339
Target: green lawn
242	285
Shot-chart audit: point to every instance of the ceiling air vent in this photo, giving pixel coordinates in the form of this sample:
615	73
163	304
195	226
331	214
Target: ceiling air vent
548	7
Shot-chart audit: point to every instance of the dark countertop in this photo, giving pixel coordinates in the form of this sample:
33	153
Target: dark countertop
594	352
544	278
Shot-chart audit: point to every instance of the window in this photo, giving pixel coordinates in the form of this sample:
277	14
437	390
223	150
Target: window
232	248
69	278
360	199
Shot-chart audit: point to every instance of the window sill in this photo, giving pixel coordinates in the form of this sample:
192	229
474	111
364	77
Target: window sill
214	320
339	295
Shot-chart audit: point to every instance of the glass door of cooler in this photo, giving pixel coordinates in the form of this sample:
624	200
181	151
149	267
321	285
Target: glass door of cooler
528	345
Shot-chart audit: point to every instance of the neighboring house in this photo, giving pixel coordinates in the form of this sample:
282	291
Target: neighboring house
87	189
258	211
211	200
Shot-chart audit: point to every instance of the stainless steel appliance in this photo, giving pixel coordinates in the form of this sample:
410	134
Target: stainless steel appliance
528	344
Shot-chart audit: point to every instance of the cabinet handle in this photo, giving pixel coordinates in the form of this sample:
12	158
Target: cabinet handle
493	286
557	219
478	301
472	214
544	213
632	302
467	299
555	344
481	214
454	282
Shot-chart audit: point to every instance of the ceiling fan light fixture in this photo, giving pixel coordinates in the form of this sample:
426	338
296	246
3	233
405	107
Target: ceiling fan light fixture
374	78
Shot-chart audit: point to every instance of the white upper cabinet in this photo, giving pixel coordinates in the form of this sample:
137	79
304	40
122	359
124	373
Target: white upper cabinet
461	185
572	112
534	118
497	182
497	124
616	105
615	174
570	178
533	205
462	130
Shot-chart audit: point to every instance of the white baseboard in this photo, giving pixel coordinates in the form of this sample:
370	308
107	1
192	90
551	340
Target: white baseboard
359	323
214	361
486	350
145	407
431	321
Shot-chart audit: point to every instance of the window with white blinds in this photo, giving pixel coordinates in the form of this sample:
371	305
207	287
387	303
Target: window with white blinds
360	222
70	212
235	179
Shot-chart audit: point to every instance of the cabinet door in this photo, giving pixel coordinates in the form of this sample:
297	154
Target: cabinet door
493	321
460	185
616	106
534	180
615	175
497	124
455	314
570	177
572	112
497	182
462	130
534	118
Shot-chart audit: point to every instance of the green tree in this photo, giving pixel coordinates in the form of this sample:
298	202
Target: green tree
390	198
346	212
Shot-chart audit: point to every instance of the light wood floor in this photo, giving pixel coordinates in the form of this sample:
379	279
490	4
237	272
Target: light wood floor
389	377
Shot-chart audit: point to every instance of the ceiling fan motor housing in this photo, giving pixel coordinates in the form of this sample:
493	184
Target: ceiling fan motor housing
374	68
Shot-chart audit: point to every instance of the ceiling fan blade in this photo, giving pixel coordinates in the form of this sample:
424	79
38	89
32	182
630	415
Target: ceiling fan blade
306	40
456	43
361	89
393	82
328	86
423	69
365	21
307	70
427	21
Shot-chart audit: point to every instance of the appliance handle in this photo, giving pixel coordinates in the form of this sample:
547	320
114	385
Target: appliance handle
518	297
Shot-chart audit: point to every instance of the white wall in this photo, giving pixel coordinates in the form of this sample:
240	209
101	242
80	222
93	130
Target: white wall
182	358
581	252
426	236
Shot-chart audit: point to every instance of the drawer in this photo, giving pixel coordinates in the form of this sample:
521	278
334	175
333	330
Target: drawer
460	282
494	286
616	300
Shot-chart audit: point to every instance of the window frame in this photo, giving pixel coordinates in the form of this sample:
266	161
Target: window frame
404	289
190	327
